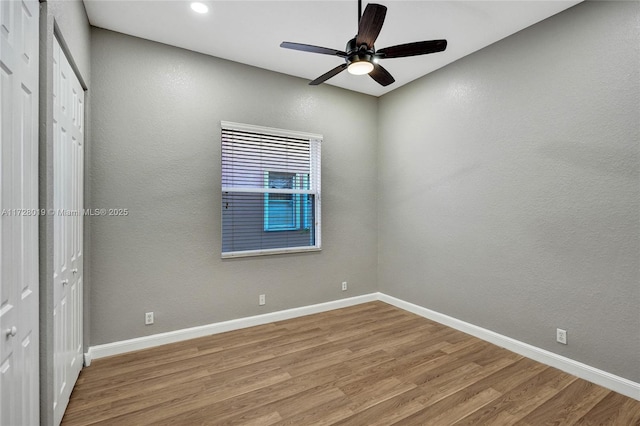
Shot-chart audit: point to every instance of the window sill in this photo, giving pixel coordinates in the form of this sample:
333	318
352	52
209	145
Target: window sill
268	252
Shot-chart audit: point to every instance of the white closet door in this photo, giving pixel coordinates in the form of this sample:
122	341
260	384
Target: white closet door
19	291
68	171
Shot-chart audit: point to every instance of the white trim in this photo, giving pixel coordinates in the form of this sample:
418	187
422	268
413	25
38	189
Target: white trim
266	252
316	184
229	125
116	348
583	371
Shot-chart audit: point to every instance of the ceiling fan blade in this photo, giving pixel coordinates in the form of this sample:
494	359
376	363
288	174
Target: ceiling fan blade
326	76
412	49
381	75
313	49
370	24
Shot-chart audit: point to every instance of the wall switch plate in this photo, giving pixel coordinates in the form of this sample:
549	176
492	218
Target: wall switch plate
344	286
262	300
561	336
148	318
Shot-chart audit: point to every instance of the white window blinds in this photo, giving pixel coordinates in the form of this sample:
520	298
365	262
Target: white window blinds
270	190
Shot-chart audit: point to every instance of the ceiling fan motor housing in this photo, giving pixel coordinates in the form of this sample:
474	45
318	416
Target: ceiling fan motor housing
358	53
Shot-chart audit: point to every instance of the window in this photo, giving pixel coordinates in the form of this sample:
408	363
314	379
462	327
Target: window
270	190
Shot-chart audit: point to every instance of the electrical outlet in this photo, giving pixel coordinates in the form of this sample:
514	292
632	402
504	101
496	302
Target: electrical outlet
262	300
561	336
344	286
148	318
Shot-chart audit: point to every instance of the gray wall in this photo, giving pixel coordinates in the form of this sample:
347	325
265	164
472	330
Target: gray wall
156	151
509	191
67	20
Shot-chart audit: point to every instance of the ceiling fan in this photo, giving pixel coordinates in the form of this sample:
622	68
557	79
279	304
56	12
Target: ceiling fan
360	55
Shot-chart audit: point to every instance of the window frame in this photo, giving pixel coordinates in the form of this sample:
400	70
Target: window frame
314	177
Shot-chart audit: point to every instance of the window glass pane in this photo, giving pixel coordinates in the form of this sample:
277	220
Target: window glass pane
243	224
281	180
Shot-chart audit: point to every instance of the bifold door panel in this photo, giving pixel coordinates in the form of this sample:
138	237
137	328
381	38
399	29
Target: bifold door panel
19	284
68	172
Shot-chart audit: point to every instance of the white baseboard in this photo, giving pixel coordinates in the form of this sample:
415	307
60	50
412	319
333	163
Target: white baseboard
116	348
584	371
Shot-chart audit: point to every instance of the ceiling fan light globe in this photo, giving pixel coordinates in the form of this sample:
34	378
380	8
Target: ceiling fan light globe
360	67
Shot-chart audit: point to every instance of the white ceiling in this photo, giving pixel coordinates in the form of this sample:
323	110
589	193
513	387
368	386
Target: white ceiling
250	32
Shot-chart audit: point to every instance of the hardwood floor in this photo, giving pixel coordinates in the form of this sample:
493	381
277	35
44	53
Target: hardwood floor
370	364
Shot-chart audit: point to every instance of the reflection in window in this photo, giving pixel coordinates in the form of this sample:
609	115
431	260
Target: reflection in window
286	211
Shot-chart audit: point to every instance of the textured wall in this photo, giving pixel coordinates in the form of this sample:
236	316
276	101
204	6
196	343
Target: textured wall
509	187
156	113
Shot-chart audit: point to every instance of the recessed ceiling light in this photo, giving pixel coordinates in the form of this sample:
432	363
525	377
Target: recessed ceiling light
199	7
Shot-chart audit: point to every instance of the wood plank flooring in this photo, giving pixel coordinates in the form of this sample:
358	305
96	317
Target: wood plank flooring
370	364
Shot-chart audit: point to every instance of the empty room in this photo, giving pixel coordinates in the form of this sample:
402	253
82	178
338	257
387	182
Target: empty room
319	212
